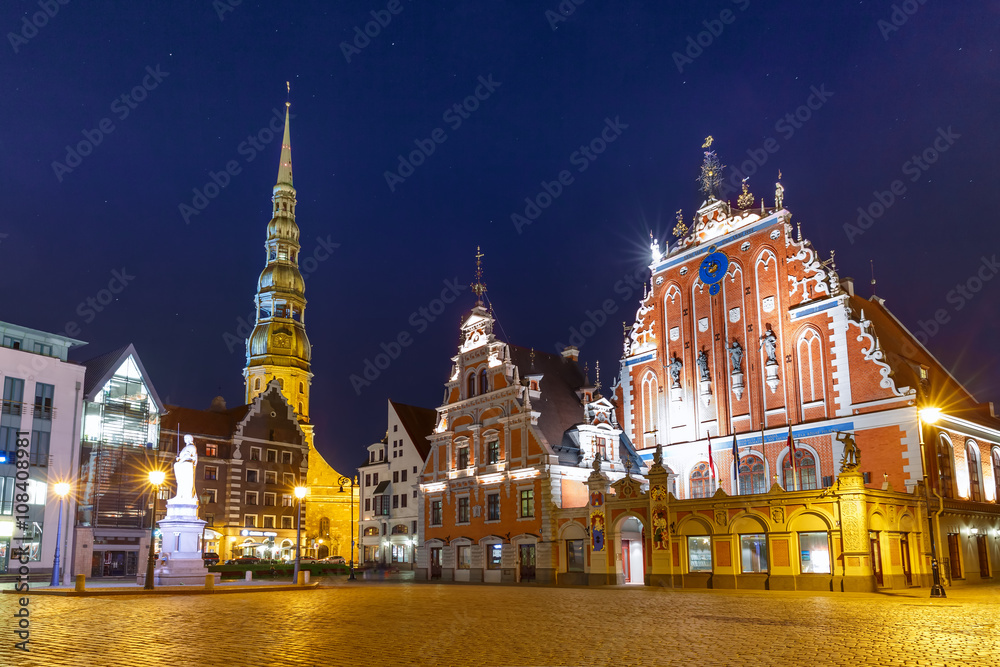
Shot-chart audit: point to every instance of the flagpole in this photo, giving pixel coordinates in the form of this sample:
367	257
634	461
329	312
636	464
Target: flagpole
791	453
711	460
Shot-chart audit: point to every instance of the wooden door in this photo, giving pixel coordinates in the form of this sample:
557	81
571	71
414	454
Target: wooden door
435	562
527	554
626	560
904	549
955	556
876	558
984	560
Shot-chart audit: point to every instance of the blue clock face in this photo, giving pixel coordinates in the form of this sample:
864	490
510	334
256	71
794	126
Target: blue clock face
713	269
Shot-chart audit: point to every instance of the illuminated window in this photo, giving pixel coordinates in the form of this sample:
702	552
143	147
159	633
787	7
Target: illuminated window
574	555
400	529
753	552
945	469
211	450
371	530
464	557
494	451
814	553
650	391
494	556
752	478
701	481
286	500
805	469
700	554
972	457
527	503
211	473
996	472
601	448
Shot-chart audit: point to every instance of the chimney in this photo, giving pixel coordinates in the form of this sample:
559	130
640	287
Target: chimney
847	284
571	352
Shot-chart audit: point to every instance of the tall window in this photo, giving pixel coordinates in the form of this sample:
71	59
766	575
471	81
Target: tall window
601	448
805	469
10	420
464	557
650	391
471	386
945	474
463	458
810	358
435	512
493	507
996	472
463	510
43	400
814	550
494	553
972	456
701	481
494	451
700	554
484	383
752	478
528	503
753	552
574	555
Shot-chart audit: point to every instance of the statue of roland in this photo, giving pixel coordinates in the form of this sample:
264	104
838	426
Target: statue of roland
184	466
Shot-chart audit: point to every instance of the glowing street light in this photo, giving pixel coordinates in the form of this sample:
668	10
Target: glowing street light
62	490
300	493
156	478
348	482
930	415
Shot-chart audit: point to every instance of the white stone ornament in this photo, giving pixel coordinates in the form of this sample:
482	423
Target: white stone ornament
734	315
768	304
703	324
675	333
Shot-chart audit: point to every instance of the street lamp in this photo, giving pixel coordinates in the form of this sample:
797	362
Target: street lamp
930	416
346	481
300	493
61	489
156	478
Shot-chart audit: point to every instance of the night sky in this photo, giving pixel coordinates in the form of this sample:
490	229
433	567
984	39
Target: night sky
884	85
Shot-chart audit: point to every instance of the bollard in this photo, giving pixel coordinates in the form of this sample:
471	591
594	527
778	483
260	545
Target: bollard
209	581
301	579
249	575
81	583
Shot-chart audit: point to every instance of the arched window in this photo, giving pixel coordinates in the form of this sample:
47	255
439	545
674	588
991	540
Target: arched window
281	383
650	391
752	478
810	359
805	470
400	529
701	481
972	456
996	472
371	530
324	526
302	388
945	469
484	383
256	384
471	386
300	407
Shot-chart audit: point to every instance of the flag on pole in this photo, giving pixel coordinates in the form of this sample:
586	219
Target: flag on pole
736	465
791	453
711	461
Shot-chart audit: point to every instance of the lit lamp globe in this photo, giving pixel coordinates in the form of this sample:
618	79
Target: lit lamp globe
930	415
300	492
61	489
156	477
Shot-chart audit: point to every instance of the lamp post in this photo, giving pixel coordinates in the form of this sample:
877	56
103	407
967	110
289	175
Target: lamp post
348	482
156	478
61	489
930	416
300	493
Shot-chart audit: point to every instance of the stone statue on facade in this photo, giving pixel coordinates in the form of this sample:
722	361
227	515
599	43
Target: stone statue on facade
184	467
852	454
770	344
735	355
674	367
703	366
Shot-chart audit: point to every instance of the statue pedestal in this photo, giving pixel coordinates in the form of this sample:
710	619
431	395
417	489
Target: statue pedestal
180	561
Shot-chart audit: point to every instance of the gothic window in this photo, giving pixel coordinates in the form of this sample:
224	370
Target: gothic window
650	391
810	359
752	479
324	526
805	470
471	386
701	481
996	472
484	383
972	456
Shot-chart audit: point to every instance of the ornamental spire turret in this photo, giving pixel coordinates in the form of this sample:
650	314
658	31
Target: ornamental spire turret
285	165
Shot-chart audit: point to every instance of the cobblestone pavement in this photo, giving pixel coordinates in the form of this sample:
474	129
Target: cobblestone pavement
405	624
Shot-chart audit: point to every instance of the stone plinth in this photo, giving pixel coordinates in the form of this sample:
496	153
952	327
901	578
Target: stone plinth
180	560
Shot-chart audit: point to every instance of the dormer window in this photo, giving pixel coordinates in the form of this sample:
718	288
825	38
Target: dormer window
533	385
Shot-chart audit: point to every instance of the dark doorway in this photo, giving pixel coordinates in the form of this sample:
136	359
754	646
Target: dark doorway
904	552
527	562
984	559
876	558
435	562
954	556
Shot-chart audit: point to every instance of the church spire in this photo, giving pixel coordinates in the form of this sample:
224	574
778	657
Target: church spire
285	166
479	287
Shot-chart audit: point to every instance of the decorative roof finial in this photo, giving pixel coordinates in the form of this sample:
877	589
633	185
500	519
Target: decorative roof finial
779	193
680	229
870	261
745	200
711	171
285	164
597	385
479	287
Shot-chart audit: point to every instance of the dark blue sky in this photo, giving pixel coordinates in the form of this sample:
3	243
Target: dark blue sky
885	95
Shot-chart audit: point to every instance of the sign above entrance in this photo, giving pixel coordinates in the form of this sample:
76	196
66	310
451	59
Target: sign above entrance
257	533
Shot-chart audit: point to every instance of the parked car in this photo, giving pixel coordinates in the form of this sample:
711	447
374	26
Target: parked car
247	560
210	558
305	558
337	560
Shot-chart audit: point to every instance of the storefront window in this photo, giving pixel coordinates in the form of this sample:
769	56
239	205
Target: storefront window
700	554
493	556
753	549
814	552
464	557
574	555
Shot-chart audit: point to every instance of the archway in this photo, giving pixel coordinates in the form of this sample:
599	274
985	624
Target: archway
630	548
